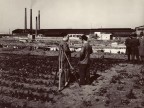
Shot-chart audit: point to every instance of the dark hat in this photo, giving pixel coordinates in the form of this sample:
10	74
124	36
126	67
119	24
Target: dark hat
84	37
134	35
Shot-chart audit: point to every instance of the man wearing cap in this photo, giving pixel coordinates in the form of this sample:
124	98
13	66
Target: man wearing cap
84	62
134	47
63	52
128	47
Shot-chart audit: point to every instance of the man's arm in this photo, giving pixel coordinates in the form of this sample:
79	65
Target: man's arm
82	52
138	42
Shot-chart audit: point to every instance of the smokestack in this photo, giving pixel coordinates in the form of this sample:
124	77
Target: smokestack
39	20
34	35
31	21
25	19
36	27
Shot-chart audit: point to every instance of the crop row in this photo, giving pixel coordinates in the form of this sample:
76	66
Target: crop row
31	77
28	94
25	77
24	86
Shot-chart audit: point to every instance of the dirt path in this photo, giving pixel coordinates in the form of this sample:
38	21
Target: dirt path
115	88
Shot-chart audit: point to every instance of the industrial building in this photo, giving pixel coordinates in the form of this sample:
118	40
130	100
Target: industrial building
114	32
122	32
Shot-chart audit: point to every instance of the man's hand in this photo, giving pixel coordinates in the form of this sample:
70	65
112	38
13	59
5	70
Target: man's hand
72	68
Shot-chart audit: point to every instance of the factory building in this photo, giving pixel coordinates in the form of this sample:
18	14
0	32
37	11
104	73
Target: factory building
103	36
113	32
106	33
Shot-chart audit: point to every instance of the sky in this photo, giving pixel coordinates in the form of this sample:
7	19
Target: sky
72	13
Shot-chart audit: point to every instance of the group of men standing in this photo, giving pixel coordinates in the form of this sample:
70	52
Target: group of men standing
135	47
84	60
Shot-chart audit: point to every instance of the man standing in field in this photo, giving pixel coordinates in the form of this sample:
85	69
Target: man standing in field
64	56
84	62
135	47
141	47
128	47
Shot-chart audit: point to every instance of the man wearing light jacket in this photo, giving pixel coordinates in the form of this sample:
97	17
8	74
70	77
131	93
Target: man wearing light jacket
64	48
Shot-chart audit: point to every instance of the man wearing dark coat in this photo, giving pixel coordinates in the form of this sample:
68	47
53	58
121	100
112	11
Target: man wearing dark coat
84	62
135	47
128	47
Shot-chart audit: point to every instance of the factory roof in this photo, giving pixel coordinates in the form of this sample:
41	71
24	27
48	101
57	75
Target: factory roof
57	32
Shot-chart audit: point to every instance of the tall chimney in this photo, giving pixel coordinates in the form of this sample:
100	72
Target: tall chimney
30	21
39	20
36	27
25	19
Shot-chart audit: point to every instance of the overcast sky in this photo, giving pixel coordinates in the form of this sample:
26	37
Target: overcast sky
73	13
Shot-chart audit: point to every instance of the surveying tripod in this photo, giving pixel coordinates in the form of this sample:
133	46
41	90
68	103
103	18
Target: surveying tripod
61	70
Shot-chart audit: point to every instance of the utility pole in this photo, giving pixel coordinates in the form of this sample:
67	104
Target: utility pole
90	28
101	32
9	31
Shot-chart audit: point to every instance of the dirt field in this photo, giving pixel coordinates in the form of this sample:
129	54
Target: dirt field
27	81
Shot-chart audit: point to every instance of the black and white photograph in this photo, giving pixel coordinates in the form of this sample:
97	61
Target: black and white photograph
71	53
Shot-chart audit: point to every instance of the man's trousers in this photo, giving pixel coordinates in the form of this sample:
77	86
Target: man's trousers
84	74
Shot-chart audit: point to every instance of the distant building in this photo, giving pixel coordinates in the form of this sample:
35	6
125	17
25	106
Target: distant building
103	36
74	36
4	35
75	33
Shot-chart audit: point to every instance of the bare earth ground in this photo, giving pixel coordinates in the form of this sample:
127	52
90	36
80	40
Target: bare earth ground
26	82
